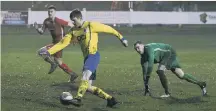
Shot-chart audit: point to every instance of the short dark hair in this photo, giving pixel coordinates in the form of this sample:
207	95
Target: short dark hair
75	13
137	42
52	7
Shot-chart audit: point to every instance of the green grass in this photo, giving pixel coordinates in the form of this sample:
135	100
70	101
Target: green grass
25	86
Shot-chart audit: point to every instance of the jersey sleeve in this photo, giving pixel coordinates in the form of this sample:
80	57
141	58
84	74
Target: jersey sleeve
61	21
102	28
147	62
61	44
150	60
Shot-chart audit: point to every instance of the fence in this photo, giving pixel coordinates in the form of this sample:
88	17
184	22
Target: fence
113	17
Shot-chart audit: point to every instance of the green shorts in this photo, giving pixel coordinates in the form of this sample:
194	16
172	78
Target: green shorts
171	61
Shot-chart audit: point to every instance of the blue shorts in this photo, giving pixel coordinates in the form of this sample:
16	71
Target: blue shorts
91	63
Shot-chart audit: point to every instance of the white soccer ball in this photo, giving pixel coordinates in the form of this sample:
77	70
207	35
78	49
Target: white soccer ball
65	97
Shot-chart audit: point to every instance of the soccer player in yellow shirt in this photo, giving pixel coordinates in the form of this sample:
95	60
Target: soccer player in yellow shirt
87	35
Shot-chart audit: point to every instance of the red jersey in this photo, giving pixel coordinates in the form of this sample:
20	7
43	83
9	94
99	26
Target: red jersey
56	28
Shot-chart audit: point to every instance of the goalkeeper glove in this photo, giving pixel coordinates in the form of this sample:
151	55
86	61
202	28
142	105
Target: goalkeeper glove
146	80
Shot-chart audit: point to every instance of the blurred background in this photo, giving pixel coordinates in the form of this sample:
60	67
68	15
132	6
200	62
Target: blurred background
112	5
15	15
23	27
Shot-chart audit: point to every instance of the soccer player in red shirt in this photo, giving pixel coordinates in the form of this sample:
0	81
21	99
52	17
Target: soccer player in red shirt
55	26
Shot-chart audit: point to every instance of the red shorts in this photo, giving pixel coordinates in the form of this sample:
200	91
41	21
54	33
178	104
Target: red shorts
57	54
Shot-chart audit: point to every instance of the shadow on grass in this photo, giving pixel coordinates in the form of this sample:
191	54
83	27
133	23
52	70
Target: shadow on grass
175	100
125	92
50	104
99	109
105	108
66	86
190	100
41	102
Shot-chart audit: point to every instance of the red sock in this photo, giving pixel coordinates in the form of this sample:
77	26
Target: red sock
64	67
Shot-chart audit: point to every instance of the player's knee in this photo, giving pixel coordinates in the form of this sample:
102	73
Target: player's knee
162	67
41	50
178	72
86	74
90	89
58	61
160	72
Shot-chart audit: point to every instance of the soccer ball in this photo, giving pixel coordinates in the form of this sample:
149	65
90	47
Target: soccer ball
65	97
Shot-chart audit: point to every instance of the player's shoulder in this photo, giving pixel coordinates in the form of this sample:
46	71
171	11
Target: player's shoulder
147	49
90	23
165	45
47	19
149	45
156	44
94	23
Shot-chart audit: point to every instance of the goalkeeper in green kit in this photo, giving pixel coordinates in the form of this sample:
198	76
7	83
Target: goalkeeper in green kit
166	57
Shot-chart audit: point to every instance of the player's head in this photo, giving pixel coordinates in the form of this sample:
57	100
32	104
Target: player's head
76	17
51	11
139	47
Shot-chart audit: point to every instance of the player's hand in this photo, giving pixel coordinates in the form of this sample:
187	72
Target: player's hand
124	42
36	25
74	41
40	30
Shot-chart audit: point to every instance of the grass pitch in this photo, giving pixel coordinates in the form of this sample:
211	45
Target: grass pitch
26	86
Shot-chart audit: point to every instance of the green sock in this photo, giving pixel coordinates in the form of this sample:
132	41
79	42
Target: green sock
191	79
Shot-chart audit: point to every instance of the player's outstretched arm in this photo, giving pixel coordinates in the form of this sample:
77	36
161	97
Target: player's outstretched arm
146	76
99	27
150	53
40	30
147	66
61	44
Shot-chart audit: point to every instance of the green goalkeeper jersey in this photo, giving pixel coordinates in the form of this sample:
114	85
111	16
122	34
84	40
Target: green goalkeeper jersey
156	53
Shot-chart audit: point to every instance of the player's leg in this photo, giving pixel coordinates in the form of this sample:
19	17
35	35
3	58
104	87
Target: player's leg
176	69
64	67
100	93
90	64
48	59
43	49
163	79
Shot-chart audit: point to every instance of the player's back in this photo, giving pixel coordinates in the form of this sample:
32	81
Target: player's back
159	50
158	46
